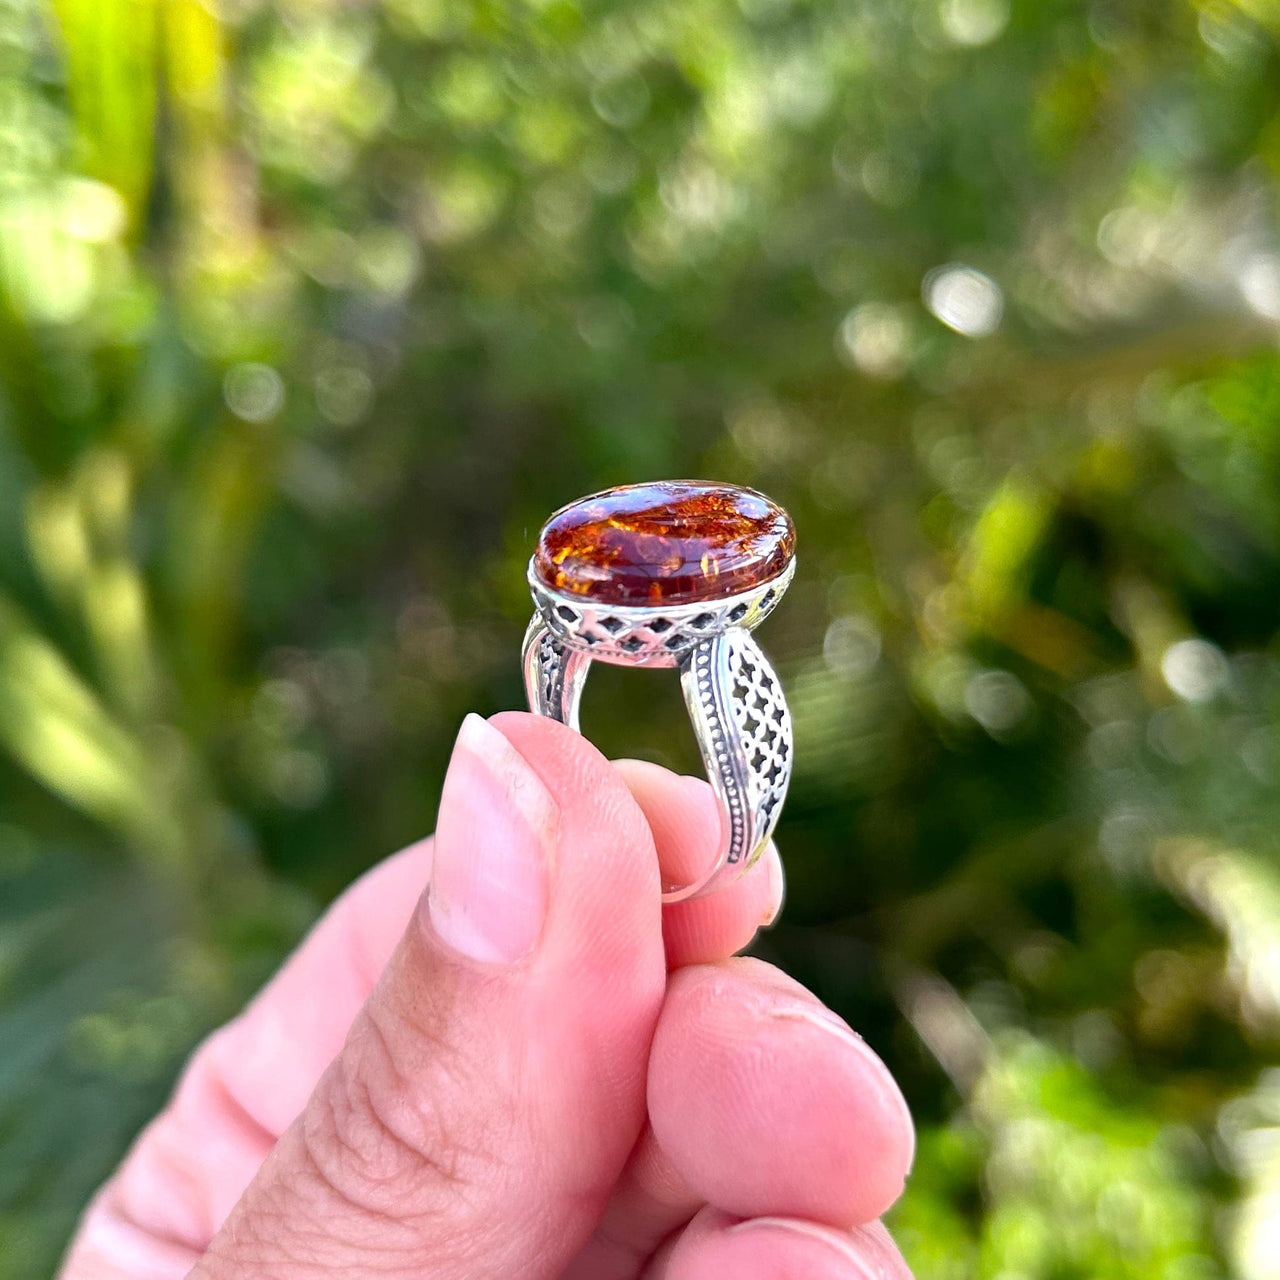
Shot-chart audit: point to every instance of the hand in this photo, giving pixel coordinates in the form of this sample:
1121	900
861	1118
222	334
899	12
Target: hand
543	1075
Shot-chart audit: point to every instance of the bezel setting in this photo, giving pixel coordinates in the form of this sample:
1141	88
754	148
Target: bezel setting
651	635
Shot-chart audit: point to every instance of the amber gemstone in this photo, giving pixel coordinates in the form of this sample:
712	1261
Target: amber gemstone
673	541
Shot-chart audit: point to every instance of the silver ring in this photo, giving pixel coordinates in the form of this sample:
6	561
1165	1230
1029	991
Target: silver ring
734	696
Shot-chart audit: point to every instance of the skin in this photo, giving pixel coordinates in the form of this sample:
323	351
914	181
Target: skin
584	1085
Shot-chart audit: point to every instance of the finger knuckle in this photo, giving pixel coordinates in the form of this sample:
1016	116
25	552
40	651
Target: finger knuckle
374	1135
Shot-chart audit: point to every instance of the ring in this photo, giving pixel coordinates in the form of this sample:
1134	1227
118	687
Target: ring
675	574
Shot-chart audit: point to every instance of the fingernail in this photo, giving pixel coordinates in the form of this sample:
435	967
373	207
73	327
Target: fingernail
888	1093
810	1230
496	828
777	880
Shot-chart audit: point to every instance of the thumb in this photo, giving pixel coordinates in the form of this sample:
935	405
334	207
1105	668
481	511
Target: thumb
492	1086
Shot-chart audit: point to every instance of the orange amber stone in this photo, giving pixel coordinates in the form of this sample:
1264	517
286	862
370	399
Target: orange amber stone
670	542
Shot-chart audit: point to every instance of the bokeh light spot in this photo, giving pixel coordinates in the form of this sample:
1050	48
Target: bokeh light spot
1260	285
851	646
964	299
254	392
998	701
973	22
876	338
1195	669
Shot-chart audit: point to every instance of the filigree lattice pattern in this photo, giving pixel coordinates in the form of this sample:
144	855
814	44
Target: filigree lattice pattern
652	636
550	670
764	725
747	735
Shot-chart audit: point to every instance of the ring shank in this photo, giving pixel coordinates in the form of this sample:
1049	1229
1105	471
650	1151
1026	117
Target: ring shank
740	720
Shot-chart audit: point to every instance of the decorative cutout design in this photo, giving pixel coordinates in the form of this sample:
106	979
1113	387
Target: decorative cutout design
651	635
760	714
745	736
551	674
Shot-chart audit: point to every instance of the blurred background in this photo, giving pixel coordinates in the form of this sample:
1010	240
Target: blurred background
310	312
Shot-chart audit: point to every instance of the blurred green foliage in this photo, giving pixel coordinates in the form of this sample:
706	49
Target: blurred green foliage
310	313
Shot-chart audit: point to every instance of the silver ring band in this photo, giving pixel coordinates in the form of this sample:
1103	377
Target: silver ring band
734	697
